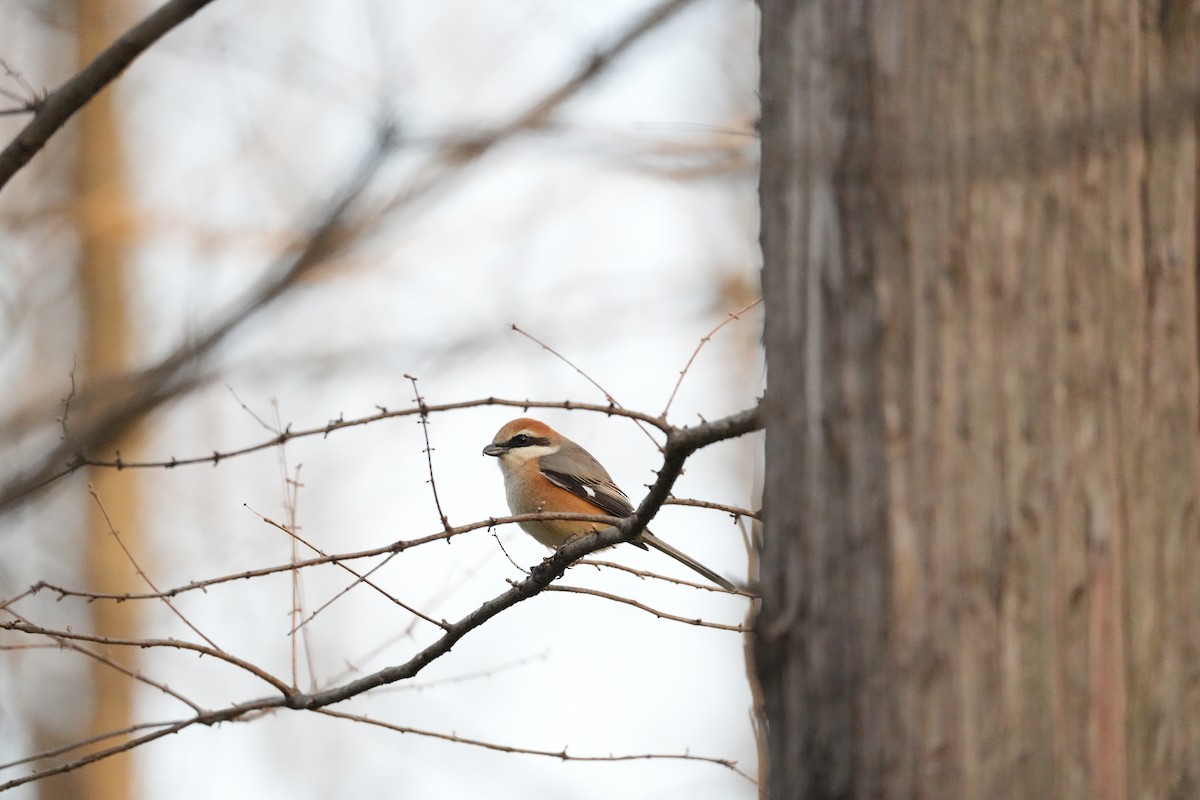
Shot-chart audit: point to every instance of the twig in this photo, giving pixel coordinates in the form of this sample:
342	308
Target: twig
216	457
76	745
142	573
291	503
164	381
99	755
734	511
178	644
395	547
363	578
708	587
561	755
32	97
444	594
275	429
67	644
612	401
736	315
8	602
424	412
700	623
360	578
415	686
504	550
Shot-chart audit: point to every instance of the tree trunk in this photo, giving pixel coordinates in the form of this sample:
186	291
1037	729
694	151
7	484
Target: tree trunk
105	227
982	544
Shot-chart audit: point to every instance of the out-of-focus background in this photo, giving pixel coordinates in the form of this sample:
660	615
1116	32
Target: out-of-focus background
612	216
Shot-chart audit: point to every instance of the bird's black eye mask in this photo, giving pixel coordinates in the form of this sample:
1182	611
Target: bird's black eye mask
525	440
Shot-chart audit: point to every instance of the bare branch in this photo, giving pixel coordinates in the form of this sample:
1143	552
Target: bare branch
616	598
734	511
64	643
216	457
561	755
423	410
178	644
705	339
391	549
359	578
708	587
62	104
612	401
681	443
81	743
142	573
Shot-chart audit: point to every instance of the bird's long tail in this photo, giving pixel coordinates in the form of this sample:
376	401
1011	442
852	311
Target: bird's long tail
662	547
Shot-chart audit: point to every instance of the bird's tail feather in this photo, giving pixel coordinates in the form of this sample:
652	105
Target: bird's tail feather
662	547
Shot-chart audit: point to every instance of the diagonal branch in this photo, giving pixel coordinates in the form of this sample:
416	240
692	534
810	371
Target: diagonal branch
170	378
51	113
141	392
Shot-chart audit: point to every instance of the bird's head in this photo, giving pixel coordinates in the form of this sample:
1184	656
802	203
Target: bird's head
523	439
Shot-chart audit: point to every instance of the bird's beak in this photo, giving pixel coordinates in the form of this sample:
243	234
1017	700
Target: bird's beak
495	450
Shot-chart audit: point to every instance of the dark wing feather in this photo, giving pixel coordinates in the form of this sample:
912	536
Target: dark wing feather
604	495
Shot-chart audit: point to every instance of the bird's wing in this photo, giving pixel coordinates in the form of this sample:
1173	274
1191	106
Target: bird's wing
604	495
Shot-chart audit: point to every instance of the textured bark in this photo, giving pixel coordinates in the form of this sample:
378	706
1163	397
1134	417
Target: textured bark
983	416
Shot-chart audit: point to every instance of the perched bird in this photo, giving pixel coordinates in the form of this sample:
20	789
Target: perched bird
546	471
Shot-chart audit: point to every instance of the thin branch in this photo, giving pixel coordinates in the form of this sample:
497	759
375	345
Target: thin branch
466	677
708	587
360	578
178	644
76	745
80	459
99	755
142	573
705	339
30	591
64	643
561	755
291	486
31	98
616	598
612	401
394	548
424	412
504	550
734	511
62	104
302	624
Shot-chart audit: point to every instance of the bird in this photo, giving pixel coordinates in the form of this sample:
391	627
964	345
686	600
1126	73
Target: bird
545	471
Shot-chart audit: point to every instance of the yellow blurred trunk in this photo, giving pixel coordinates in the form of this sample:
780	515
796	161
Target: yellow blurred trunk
105	233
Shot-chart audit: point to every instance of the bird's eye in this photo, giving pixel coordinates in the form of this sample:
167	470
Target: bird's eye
520	440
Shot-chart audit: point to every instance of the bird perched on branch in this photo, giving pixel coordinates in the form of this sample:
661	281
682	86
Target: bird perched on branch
545	471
